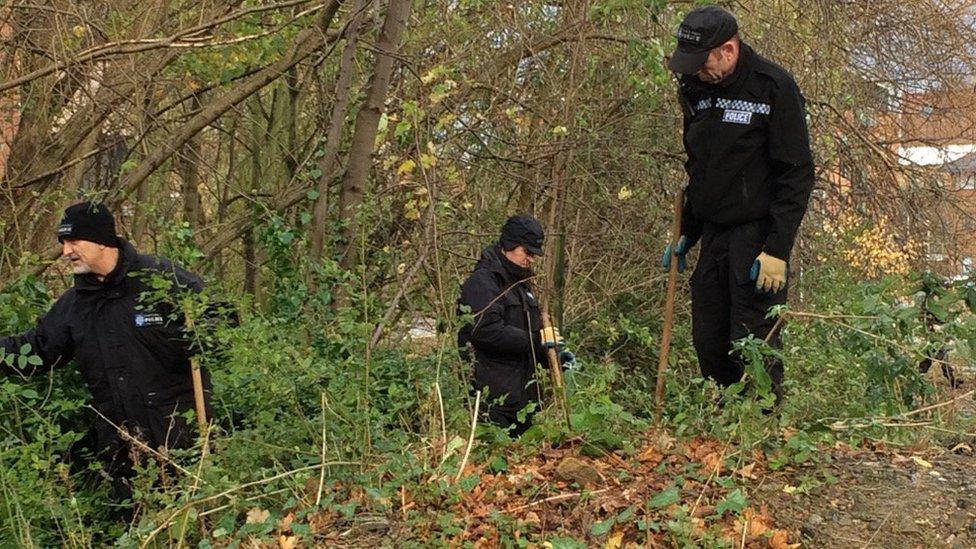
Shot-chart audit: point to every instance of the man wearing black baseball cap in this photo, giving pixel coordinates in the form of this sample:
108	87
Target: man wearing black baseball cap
703	30
750	174
505	338
132	353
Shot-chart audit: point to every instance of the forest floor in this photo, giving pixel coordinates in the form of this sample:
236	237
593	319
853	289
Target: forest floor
690	493
886	496
880	498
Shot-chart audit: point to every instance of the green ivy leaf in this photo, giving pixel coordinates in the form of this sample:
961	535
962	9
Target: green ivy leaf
601	528
735	502
664	498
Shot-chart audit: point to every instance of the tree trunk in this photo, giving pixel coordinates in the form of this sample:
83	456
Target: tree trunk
250	263
367	122
258	141
189	169
561	176
327	163
291	126
223	190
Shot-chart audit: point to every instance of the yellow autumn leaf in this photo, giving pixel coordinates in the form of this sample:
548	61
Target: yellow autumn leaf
624	193
921	462
615	540
428	160
78	31
406	166
287	542
410	210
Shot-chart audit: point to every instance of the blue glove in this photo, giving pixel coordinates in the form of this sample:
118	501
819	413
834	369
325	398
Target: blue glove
567	360
680	249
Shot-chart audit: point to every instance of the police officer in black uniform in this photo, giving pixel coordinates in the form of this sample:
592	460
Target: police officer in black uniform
750	174
133	355
505	337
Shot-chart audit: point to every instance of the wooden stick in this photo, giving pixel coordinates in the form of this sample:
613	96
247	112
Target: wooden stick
662	362
559	385
197	378
556	498
318	493
474	425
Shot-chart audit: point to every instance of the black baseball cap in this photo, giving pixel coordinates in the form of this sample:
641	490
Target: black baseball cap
702	30
523	230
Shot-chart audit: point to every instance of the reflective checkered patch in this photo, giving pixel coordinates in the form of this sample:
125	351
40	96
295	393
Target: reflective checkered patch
741	105
704	104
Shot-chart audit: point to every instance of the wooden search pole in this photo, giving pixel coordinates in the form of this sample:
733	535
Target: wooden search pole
197	377
559	386
662	363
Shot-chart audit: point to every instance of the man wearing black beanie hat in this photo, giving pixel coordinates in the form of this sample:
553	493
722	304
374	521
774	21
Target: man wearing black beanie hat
505	339
88	239
133	354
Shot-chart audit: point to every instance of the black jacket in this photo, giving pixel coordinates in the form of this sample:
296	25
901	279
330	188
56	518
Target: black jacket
134	356
504	333
748	152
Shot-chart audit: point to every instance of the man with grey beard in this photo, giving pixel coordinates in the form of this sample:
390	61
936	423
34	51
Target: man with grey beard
133	354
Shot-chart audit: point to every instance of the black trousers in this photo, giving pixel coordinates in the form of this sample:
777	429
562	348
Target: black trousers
509	420
726	305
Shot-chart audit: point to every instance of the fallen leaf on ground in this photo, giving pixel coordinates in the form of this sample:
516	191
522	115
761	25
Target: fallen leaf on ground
962	448
257	515
746	471
781	540
921	462
650	456
713	463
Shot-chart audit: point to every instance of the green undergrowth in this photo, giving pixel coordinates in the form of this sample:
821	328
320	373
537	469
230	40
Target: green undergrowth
310	420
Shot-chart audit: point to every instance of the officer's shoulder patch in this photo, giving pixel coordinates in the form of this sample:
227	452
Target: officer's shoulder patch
144	319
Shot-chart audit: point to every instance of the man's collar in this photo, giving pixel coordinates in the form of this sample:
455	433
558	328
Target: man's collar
91	282
742	66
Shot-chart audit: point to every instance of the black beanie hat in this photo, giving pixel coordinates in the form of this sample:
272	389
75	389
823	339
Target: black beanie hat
88	221
522	230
